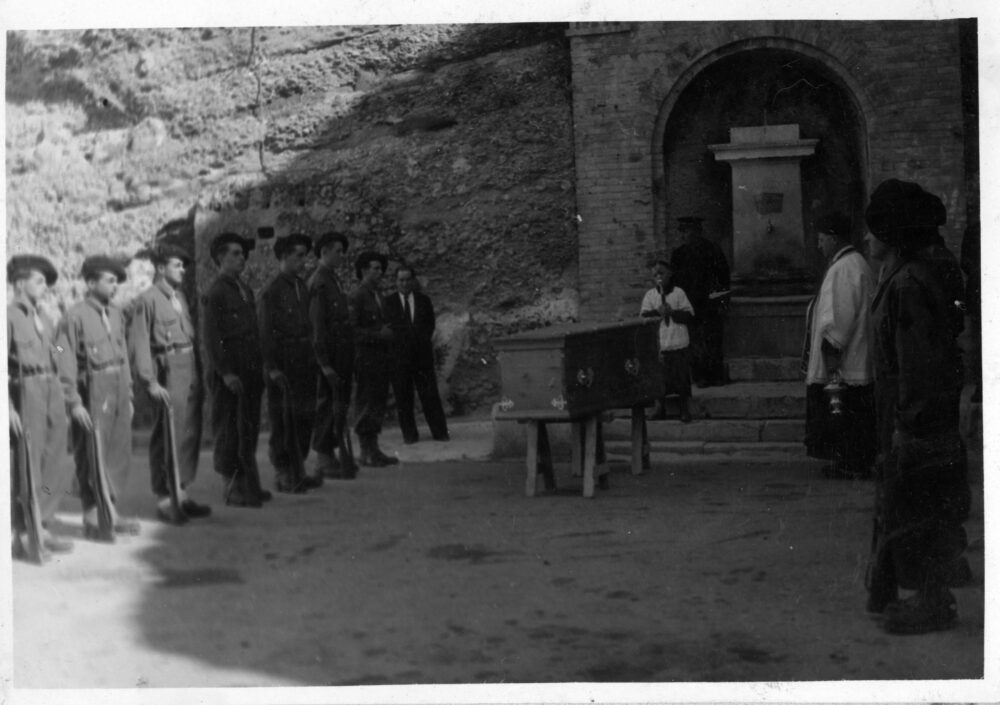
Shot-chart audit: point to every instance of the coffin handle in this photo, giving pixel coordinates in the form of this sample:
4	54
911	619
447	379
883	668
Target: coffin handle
632	366
585	378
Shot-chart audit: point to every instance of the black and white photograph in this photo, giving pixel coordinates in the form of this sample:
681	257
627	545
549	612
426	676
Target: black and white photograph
584	353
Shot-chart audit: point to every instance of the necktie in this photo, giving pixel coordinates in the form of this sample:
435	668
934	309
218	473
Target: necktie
378	301
176	302
406	308
105	320
298	291
39	328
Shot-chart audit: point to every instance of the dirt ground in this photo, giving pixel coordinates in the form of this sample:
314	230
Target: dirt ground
441	571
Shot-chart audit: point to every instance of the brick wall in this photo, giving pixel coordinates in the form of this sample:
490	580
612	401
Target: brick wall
904	76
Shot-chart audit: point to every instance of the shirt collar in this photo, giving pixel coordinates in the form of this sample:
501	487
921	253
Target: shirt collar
22	303
95	304
162	285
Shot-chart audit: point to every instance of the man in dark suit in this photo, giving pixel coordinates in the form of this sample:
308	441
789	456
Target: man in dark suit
236	378
373	345
702	271
411	316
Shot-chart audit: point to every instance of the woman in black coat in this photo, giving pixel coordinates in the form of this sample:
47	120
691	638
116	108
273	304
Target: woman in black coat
922	487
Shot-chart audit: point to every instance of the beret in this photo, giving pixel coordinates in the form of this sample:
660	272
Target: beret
164	251
20	265
327	238
220	241
93	266
897	206
361	263
284	245
834	224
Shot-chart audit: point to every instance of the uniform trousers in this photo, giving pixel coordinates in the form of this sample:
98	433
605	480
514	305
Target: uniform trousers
109	401
179	375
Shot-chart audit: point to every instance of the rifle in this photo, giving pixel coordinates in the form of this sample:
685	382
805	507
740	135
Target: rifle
173	474
27	496
99	481
291	442
348	466
246	471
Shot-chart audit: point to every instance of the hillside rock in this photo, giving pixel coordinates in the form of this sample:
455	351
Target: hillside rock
446	146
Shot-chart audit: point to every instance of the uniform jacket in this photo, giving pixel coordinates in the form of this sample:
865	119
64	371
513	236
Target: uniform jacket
700	267
368	318
330	318
84	344
413	336
29	351
156	329
285	330
840	315
229	325
918	371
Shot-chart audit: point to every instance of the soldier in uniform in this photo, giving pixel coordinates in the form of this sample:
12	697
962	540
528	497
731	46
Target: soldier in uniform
287	349
373	357
36	399
333	343
97	382
235	374
701	270
162	348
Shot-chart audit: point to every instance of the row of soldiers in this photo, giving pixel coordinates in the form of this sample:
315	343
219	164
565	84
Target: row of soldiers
307	343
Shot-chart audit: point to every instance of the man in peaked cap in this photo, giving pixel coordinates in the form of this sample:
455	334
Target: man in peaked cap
163	351
289	364
701	270
373	357
232	350
97	383
37	405
333	344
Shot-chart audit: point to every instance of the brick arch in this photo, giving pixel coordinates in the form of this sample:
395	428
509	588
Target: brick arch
838	72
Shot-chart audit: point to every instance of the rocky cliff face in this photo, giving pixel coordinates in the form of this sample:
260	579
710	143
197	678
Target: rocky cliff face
446	146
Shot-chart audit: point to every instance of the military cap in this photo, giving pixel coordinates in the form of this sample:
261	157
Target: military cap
94	265
326	239
361	263
897	208
220	241
284	245
836	224
162	252
20	266
689	221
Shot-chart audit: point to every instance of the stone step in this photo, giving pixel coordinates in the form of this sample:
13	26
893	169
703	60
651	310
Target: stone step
764	369
747	400
711	430
662	452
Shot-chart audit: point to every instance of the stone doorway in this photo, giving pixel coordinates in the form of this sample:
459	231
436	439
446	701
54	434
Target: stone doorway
762	86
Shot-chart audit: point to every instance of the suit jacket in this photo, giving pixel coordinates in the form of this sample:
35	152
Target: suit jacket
412	343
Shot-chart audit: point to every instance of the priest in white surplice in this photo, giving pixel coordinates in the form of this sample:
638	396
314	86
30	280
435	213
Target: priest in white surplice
840	411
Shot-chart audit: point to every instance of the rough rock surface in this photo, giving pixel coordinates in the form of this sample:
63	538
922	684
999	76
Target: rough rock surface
447	146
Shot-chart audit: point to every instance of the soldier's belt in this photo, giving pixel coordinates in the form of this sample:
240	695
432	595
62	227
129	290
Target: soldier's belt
36	372
173	349
112	366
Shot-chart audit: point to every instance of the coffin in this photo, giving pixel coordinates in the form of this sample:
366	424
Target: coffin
569	371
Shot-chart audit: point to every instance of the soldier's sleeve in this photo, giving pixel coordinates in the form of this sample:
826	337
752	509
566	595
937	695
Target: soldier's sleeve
124	320
211	317
140	342
319	319
67	343
362	334
265	317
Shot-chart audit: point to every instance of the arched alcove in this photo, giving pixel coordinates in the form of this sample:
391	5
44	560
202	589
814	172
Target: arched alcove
764	82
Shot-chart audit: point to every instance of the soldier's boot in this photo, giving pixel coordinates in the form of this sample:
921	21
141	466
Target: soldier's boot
254	486
286	483
369	457
382	457
238	494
